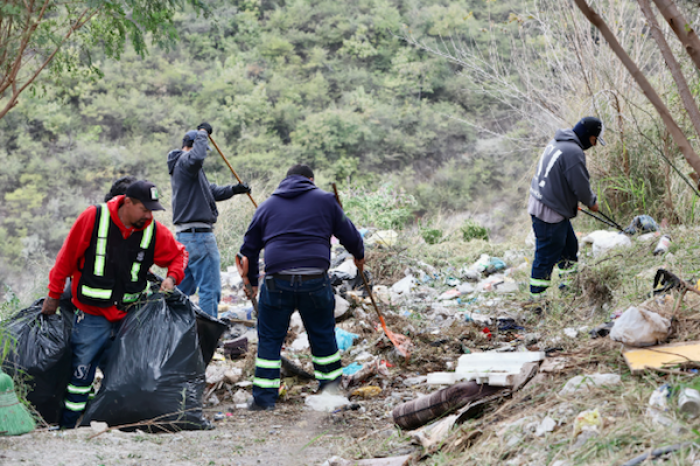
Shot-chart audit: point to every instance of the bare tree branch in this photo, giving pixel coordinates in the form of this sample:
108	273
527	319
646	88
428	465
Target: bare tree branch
676	133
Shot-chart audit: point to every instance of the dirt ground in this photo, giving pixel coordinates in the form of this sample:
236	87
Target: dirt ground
292	435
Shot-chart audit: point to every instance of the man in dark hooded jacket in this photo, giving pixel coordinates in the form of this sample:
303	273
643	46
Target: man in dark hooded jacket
295	226
194	214
560	183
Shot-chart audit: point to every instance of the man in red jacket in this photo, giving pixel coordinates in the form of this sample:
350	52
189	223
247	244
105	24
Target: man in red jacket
107	254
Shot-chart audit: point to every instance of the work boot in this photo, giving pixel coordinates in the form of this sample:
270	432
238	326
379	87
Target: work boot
330	388
253	406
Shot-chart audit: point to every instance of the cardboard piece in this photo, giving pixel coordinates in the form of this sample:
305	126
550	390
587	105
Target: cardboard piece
662	356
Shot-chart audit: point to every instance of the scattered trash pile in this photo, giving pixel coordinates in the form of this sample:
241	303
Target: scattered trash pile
477	352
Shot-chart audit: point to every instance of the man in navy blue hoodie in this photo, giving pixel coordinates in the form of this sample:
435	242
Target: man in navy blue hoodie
295	226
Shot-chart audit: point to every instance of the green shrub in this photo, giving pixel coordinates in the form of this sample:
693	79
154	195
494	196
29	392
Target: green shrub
385	208
431	235
472	230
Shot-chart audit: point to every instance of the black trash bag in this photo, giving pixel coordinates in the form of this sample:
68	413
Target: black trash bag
209	331
155	371
41	349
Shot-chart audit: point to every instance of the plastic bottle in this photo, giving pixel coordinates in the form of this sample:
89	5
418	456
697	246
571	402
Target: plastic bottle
689	402
424	409
662	246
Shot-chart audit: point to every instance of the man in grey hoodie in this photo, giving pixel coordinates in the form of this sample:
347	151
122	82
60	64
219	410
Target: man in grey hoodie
194	215
560	183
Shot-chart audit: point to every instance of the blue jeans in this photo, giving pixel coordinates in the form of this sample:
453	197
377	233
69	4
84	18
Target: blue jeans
556	244
91	339
203	270
316	304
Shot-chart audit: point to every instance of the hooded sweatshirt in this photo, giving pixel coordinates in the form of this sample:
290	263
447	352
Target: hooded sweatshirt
194	198
295	226
71	258
562	179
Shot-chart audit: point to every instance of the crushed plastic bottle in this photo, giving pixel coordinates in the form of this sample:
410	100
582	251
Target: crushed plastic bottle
663	245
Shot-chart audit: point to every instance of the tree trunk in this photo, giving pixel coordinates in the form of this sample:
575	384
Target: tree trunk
676	133
686	97
682	28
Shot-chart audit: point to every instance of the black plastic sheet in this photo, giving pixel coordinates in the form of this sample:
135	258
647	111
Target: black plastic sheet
154	375
41	350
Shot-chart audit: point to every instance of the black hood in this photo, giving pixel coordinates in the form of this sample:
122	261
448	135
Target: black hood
293	186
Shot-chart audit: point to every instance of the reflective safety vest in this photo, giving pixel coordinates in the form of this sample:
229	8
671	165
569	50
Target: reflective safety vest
114	272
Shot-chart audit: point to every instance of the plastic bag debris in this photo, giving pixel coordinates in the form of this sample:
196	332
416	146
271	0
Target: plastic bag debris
325	402
586	382
155	371
341	306
588	420
658	405
350	369
383	238
41	349
640	328
641	224
604	240
344	339
404	285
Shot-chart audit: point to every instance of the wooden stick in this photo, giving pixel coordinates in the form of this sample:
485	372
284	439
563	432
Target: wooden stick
231	168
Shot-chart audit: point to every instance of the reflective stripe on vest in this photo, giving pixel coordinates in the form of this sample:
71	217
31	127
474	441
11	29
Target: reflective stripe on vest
101	249
101	258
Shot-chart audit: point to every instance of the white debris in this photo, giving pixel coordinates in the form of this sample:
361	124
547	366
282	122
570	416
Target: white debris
640	327
240	397
494	368
233	375
547	425
215	373
341	306
586	382
404	285
325	403
301	343
604	240
348	267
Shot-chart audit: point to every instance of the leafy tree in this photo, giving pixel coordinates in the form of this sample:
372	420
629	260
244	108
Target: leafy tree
62	36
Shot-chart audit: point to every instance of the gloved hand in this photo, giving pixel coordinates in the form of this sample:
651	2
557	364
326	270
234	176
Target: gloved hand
206	127
241	188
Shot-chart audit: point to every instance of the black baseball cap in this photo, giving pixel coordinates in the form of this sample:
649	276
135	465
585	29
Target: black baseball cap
590	126
146	193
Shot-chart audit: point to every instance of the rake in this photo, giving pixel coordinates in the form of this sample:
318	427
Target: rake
402	343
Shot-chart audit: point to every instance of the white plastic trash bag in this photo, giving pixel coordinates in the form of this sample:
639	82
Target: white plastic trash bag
603	240
639	327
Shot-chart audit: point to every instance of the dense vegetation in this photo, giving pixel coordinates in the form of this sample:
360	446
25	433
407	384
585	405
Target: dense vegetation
418	109
322	82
